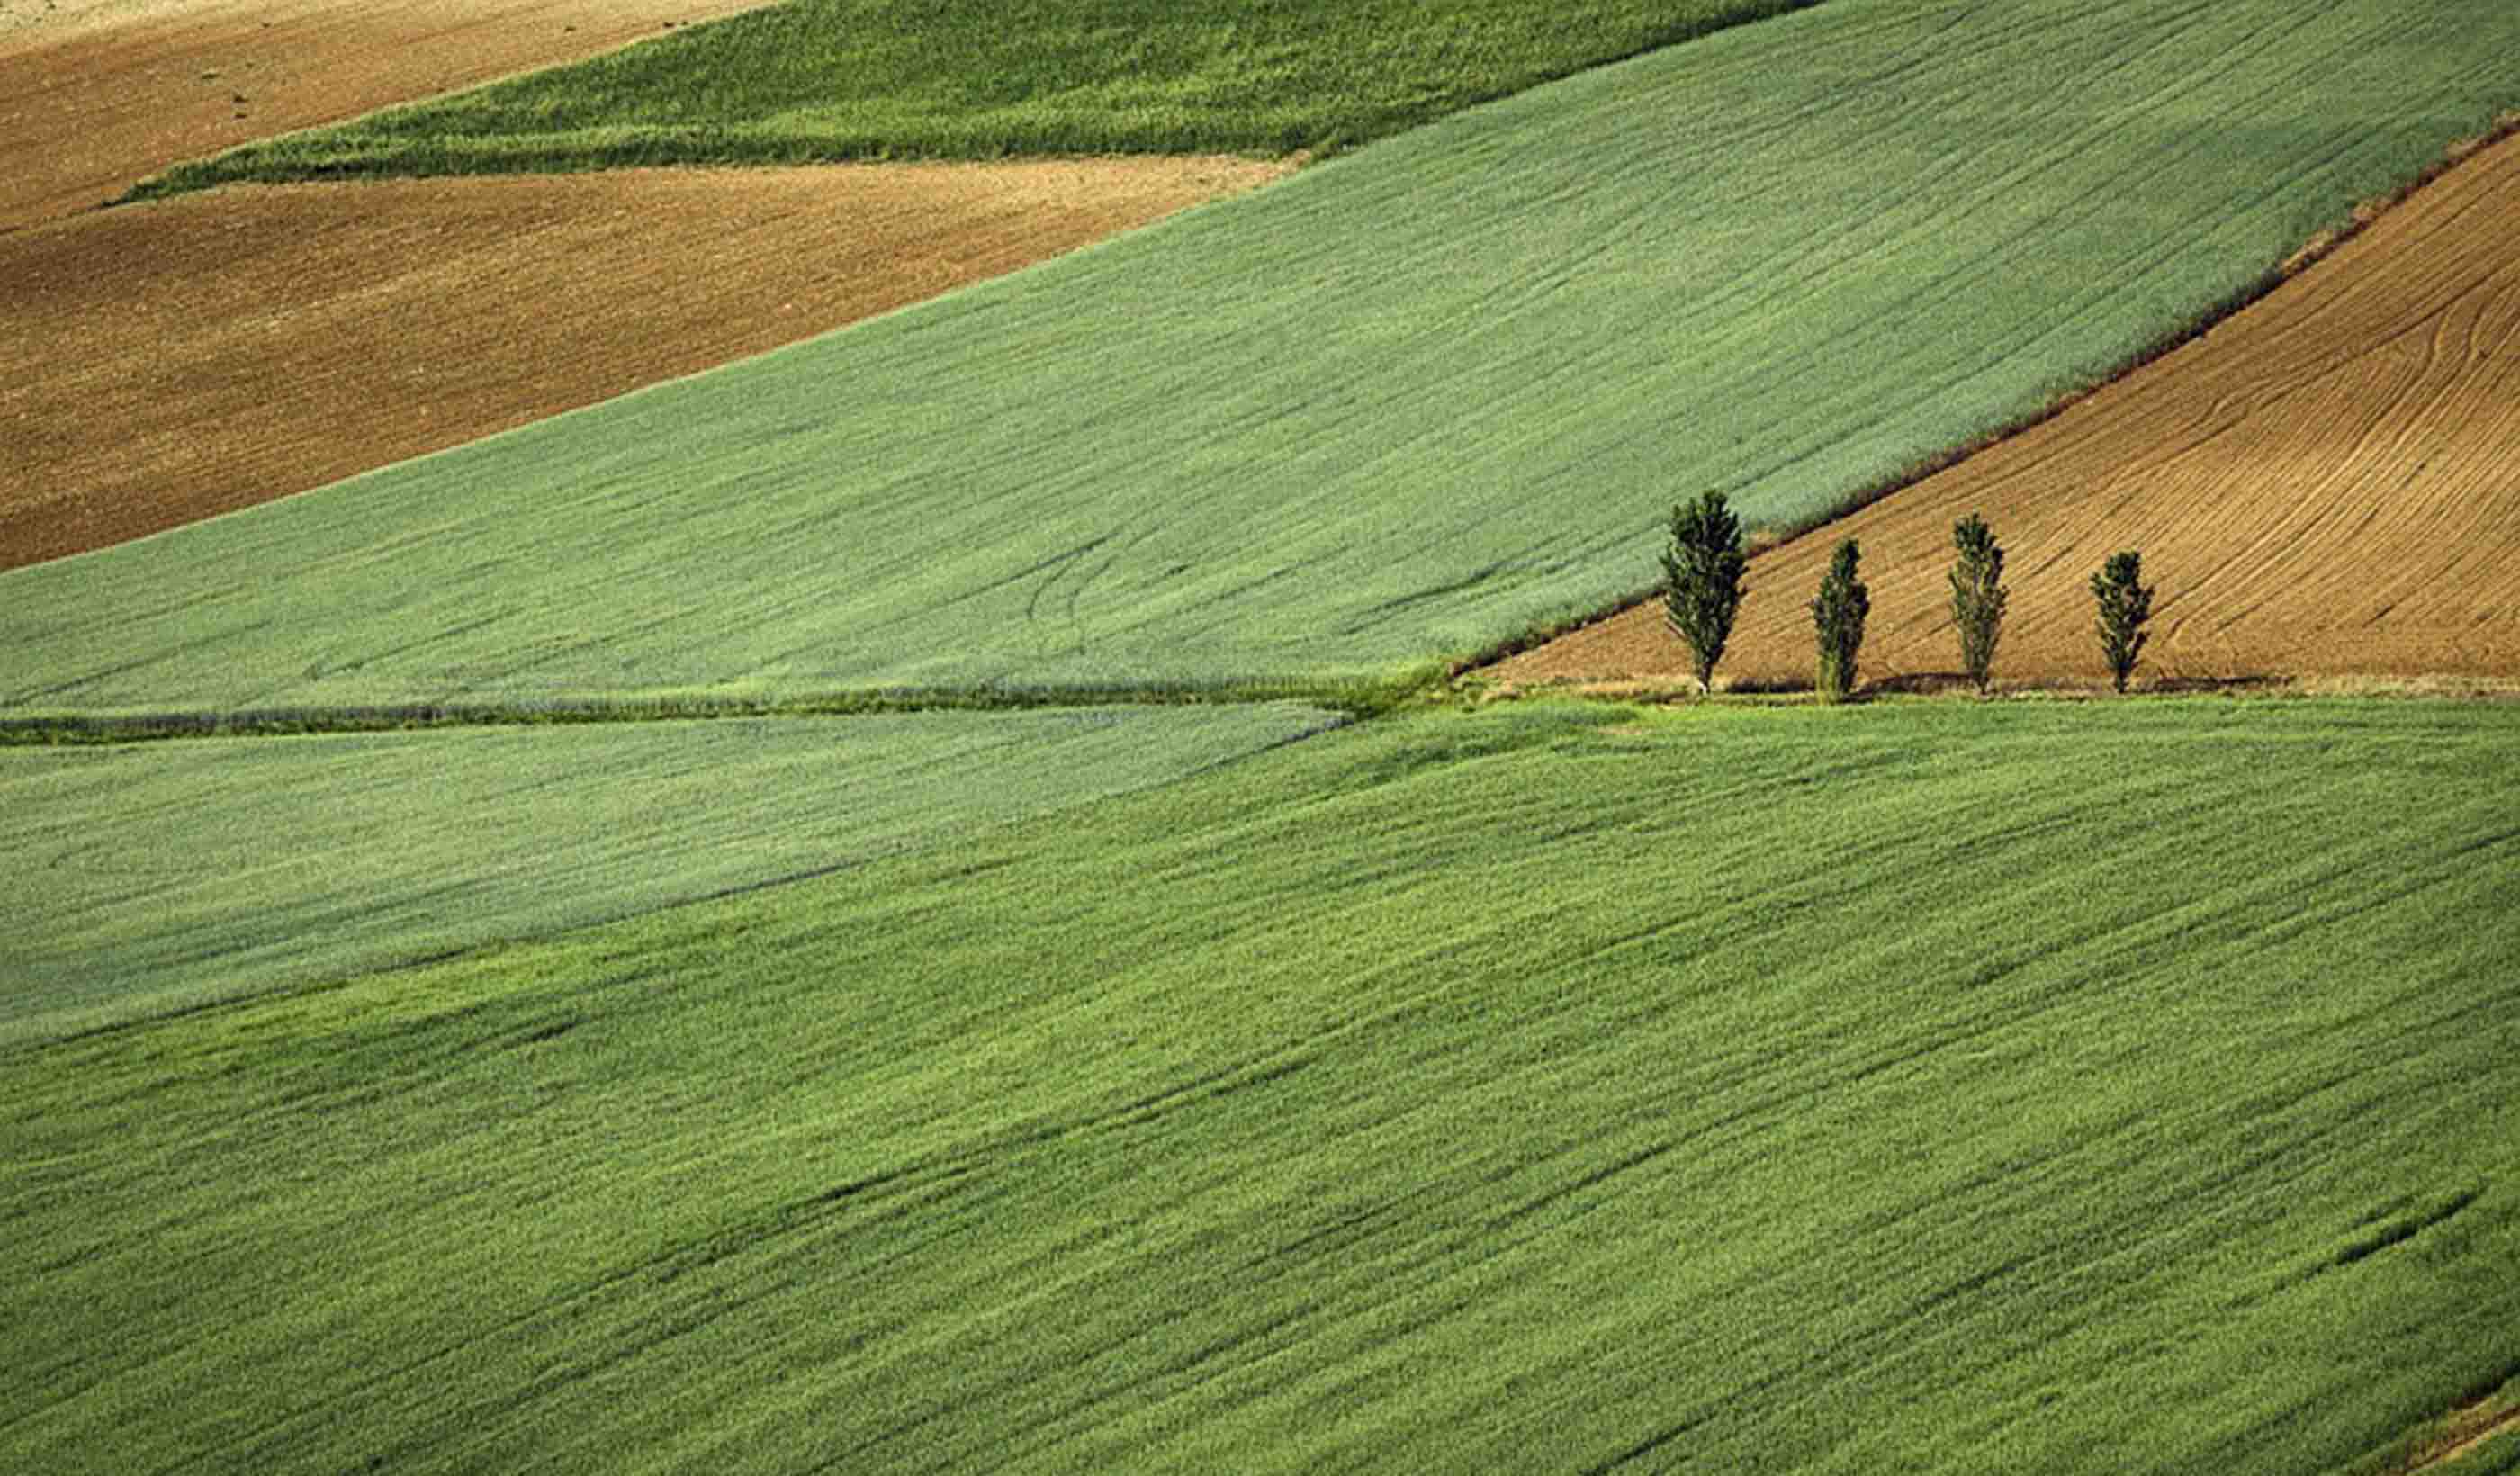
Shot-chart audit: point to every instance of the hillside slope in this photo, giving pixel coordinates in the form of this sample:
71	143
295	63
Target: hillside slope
225	353
2055	1088
1401	406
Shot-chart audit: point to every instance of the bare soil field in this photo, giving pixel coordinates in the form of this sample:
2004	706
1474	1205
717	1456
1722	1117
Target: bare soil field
96	95
166	362
2323	486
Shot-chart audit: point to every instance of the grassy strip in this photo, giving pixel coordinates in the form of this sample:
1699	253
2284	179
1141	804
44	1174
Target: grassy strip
158	876
2013	1086
1401	406
826	81
1357	699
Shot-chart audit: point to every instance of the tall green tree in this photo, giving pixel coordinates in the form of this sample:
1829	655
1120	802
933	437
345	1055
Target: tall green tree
1837	621
1702	569
1977	597
2126	604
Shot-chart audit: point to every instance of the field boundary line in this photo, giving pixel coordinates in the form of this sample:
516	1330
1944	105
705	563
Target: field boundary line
1349	700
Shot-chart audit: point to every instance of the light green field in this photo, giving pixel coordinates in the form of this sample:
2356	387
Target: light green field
152	876
1406	404
2013	1086
818	80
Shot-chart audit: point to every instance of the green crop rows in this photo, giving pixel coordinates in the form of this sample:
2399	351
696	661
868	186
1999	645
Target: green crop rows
155	875
1404	406
2022	1087
819	80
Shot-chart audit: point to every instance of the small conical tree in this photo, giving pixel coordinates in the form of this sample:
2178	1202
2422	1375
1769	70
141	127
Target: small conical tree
1703	568
1977	597
2126	603
1837	622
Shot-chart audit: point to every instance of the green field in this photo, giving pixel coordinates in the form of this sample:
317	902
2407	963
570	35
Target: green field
1406	405
822	80
2025	1086
2009	1086
154	876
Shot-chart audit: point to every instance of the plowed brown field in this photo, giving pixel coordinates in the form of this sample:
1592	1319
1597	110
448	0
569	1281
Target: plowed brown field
166	362
2327	485
100	93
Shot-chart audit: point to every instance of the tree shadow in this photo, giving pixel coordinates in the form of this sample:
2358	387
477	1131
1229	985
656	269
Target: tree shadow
2239	685
1921	684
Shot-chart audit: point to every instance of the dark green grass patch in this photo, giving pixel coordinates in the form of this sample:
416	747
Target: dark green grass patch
821	80
2024	1088
155	876
1402	406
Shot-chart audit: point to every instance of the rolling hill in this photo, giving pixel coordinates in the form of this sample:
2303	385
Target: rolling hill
1927	1086
1304	433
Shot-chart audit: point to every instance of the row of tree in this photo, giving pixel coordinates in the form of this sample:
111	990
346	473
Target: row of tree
1705	563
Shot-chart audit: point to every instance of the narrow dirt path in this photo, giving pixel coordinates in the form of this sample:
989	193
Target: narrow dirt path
2322	486
2467	1432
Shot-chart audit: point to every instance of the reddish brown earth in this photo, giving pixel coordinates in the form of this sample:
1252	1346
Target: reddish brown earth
96	95
165	362
2326	485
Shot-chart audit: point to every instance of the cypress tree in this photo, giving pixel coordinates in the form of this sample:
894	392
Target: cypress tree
1977	597
2126	603
1703	567
1837	621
